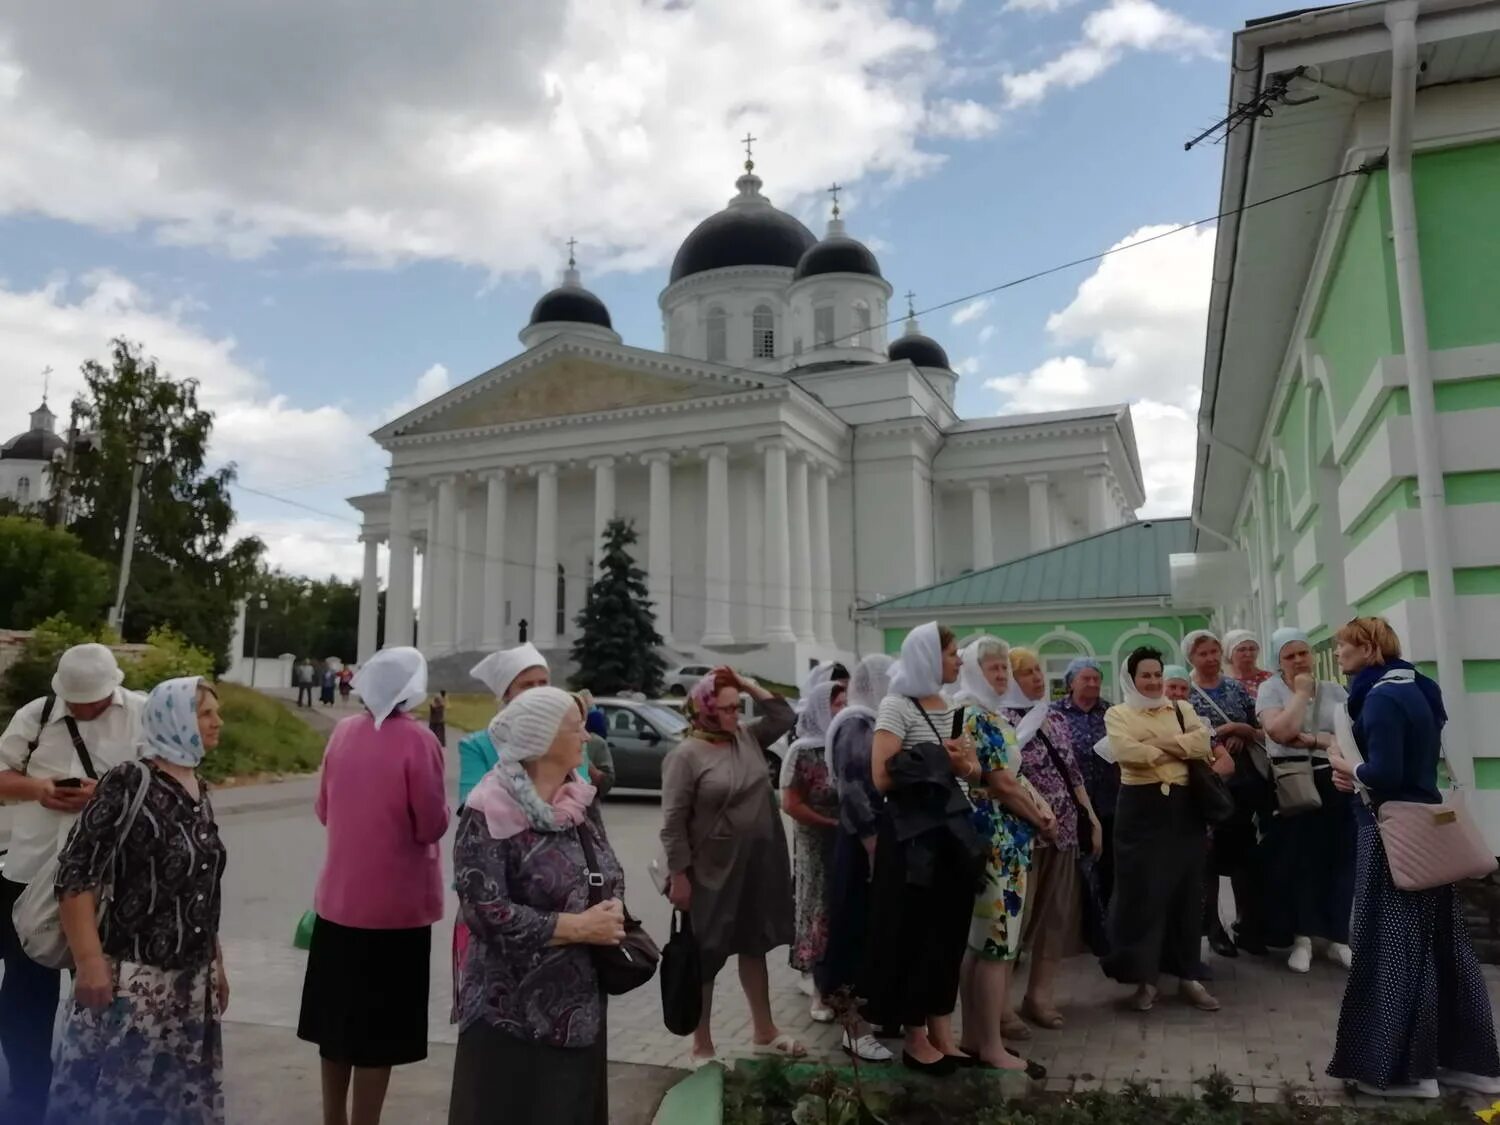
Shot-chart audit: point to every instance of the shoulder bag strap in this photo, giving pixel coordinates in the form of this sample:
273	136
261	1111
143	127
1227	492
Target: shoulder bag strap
930	724
47	709
1062	771
1181	723
78	744
591	866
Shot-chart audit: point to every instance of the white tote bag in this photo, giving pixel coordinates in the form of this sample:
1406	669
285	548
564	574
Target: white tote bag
38	920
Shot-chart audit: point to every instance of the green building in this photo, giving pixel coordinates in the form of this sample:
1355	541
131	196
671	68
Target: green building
1349	456
1100	597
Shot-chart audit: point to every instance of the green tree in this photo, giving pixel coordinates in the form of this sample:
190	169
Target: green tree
617	646
44	572
30	675
185	572
304	616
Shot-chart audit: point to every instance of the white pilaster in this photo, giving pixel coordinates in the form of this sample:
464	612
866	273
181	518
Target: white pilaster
778	553
659	540
1101	500
369	598
497	497
1040	502
801	551
442	555
716	620
753	517
822	558
398	598
424	618
984	531
604	504
544	580
459	635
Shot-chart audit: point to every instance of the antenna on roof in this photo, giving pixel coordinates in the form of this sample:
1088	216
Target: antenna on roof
1262	105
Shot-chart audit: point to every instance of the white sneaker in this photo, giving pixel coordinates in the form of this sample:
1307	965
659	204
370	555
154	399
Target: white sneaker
806	986
1301	959
1427	1088
868	1048
820	1012
1463	1080
1341	954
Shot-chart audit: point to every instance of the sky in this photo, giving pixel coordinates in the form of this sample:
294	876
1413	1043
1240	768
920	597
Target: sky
328	213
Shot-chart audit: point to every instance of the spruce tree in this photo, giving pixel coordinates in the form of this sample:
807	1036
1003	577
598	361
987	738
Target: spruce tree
617	645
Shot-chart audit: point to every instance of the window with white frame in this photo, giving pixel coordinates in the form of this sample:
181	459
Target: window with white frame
763	329
822	326
718	335
862	324
23	490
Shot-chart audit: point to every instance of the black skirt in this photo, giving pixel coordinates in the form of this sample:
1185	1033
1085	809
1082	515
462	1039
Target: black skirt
364	998
1310	869
498	1077
1156	910
848	916
1416	1000
918	934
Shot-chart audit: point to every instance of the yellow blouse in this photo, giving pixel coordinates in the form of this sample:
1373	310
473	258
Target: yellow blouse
1129	730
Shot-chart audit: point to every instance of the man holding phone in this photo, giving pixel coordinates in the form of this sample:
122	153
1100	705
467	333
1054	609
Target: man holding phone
51	755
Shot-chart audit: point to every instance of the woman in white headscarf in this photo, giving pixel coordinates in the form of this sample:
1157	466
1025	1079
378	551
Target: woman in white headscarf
1242	650
532	1012
1311	843
927	859
809	798
1053	926
507	674
1008	815
382	799
143	1037
1161	839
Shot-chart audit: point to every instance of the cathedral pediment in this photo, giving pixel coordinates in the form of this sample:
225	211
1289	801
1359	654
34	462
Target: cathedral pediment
561	385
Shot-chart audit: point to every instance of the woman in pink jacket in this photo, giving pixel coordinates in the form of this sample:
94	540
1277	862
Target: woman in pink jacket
364	998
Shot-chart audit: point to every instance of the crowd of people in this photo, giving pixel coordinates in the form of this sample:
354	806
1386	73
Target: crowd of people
948	820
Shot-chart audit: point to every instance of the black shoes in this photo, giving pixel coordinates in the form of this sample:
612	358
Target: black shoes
1219	942
943	1067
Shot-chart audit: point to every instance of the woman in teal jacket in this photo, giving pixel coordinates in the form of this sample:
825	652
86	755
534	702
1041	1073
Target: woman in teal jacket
507	673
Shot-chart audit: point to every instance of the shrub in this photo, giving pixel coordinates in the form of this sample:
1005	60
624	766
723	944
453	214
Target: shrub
260	736
169	657
31	675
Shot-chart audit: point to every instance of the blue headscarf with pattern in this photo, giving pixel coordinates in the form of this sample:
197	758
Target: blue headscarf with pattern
169	725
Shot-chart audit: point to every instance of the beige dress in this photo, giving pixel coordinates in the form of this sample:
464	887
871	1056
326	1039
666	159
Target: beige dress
721	825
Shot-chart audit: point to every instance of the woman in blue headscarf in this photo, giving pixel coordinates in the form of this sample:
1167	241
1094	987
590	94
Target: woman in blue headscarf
143	1039
1310	840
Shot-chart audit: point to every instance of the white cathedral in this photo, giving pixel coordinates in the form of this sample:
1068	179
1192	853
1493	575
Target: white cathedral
782	463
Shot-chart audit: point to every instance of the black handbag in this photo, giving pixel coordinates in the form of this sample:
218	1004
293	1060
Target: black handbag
625	967
1093	915
681	978
1211	796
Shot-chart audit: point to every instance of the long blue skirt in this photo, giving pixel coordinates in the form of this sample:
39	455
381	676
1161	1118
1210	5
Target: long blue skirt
1416	1000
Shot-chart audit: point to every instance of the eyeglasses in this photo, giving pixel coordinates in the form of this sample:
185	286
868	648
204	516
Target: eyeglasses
726	709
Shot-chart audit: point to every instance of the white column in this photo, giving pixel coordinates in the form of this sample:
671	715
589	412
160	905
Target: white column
442	556
369	598
752	517
822	558
778	555
398	608
1041	511
459	636
659	540
497	490
984	531
544	578
716	620
1101	500
801	552
604	504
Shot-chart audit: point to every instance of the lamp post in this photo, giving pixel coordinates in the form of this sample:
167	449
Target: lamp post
255	656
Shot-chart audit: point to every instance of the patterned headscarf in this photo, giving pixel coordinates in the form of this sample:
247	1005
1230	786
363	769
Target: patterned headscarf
169	726
871	681
700	707
1076	665
817	712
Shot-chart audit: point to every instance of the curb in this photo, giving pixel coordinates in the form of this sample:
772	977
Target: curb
697	1100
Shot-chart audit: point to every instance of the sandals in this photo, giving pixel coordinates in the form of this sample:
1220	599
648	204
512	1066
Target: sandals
1051	1018
698	1062
1015	1028
784	1046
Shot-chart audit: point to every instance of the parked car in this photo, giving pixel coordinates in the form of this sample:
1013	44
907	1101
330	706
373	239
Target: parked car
680	681
641	734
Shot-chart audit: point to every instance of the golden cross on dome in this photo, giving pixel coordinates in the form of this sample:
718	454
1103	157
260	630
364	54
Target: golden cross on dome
749	152
834	191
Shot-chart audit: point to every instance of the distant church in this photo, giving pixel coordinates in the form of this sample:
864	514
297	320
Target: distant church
26	460
783	462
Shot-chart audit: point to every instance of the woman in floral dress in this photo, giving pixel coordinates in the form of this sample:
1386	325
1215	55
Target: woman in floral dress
143	1042
1008	814
810	798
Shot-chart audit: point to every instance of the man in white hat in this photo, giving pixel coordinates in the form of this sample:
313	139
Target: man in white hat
51	754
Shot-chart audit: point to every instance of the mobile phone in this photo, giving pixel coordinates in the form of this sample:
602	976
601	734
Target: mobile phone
68	783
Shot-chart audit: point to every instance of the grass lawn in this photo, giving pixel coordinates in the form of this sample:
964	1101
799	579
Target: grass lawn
467	711
260	737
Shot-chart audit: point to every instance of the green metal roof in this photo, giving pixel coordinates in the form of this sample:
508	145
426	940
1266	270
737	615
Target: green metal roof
1126	562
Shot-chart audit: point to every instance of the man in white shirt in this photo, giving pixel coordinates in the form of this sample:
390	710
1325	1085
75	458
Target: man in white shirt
51	755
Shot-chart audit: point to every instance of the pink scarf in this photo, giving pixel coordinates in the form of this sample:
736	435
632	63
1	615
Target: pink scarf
505	815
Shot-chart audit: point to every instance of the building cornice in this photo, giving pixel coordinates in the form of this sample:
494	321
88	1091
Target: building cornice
713	280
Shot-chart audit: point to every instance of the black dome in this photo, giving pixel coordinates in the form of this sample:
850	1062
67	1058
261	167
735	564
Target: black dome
573	304
837	255
34	445
742	236
923	351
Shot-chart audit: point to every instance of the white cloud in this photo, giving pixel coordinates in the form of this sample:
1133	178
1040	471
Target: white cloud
1107	34
1037	5
1137	323
316	548
478	133
431	383
968	366
962	118
946	7
987	333
972	311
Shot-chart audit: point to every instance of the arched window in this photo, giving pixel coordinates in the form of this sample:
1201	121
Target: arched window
822	326
718	335
862	325
763	327
562	600
23	490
